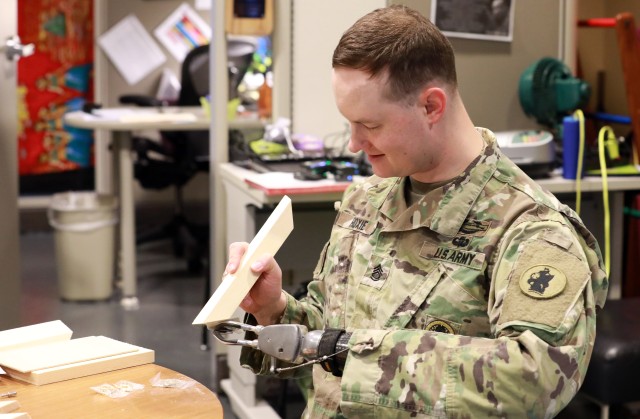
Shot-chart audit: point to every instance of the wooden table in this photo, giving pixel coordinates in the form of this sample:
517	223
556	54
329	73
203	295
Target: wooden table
75	399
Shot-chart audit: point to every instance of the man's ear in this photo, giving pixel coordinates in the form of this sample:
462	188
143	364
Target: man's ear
434	102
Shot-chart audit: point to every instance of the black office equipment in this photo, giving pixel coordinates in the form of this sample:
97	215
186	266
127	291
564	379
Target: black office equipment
612	376
340	170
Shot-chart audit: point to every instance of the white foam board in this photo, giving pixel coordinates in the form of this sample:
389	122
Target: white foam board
140	356
62	353
228	296
36	334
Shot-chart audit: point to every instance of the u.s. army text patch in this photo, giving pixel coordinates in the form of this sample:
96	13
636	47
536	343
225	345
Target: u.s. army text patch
473	260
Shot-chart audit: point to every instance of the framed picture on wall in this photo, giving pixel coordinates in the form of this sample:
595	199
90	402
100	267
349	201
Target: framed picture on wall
475	19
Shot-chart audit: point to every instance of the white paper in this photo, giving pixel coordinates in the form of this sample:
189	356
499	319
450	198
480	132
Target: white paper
169	86
131	49
111	114
182	31
127	115
285	181
203	4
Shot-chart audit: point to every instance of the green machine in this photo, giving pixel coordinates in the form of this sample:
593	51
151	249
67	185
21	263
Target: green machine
548	92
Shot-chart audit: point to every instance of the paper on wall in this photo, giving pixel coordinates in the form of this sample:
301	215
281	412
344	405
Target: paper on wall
182	31
203	4
131	49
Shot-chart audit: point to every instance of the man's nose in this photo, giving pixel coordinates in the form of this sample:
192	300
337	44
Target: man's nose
355	140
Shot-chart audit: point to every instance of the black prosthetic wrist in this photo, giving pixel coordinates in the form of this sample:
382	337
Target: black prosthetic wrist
334	344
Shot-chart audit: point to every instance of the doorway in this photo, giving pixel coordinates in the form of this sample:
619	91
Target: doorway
9	231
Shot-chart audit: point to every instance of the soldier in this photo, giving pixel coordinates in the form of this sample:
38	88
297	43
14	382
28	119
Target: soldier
431	263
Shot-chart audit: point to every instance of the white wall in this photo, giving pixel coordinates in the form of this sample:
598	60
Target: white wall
488	71
316	29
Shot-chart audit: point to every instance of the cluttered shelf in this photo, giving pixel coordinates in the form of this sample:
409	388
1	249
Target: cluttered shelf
268	188
276	184
556	184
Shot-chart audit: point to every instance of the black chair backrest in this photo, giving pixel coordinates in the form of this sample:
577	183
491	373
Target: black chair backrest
195	84
195	76
195	69
191	146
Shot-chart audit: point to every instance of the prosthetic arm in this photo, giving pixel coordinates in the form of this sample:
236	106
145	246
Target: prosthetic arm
291	343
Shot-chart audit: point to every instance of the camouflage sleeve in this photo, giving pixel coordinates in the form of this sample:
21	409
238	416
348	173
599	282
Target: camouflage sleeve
543	325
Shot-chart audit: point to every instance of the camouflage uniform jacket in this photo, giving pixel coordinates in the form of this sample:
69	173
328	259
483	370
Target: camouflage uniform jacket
477	301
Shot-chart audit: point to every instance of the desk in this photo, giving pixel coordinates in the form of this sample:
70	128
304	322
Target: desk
121	128
75	399
241	226
240	195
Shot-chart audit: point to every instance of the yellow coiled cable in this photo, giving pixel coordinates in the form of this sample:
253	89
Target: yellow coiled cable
605	136
580	117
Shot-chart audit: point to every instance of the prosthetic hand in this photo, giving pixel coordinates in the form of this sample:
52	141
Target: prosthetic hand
292	343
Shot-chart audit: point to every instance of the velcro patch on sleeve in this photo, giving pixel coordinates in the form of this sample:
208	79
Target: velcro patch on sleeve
544	285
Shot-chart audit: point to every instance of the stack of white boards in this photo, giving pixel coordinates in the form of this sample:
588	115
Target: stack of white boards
45	353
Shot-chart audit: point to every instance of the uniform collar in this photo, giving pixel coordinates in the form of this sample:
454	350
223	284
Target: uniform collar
445	209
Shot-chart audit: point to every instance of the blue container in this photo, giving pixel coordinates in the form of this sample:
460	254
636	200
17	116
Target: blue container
570	147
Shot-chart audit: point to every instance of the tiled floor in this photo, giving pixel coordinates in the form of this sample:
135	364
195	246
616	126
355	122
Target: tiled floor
170	298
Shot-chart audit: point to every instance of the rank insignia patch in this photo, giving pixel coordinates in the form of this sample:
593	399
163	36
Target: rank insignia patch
377	273
542	281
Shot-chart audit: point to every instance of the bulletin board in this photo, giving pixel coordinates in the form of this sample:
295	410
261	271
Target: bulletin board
56	79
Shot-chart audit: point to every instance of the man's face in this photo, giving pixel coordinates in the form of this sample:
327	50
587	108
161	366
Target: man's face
395	136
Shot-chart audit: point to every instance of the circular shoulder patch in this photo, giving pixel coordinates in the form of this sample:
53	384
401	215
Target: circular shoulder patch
542	281
440	326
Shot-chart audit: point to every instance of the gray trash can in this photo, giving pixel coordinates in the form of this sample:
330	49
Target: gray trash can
84	224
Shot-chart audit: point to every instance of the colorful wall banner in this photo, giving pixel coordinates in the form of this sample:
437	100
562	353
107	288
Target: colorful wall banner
56	79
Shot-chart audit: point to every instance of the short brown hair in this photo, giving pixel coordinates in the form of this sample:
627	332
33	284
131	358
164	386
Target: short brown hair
403	42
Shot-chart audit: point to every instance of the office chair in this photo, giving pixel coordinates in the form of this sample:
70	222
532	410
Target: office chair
179	155
615	361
